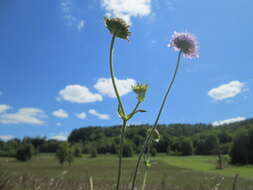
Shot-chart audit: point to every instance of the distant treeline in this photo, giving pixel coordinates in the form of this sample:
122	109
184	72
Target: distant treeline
235	139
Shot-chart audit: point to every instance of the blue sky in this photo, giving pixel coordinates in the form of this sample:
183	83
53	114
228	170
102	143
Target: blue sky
54	74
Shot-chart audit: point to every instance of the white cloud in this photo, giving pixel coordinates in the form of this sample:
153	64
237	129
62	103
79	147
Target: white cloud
70	14
99	115
60	113
228	90
126	9
78	94
4	107
59	124
23	116
105	87
60	137
228	121
6	137
81	115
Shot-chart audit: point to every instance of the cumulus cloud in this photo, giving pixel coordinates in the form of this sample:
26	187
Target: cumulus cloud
105	87
78	94
23	116
4	107
228	90
228	121
126	9
99	115
6	137
70	14
60	137
81	115
60	113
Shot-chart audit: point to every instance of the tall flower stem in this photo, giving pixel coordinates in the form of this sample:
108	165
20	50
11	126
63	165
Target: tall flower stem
122	136
148	139
144	179
121	107
112	73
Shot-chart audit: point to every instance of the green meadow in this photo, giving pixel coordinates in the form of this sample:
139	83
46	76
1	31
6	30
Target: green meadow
168	172
207	164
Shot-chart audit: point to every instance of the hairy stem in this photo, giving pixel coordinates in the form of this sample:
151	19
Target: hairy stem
112	74
144	179
122	136
147	141
122	108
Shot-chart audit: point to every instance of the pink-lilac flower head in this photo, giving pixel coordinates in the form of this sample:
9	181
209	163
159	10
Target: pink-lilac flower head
186	43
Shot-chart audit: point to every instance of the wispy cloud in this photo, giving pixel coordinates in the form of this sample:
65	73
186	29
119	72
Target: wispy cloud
228	121
126	9
99	115
71	15
24	116
63	136
105	87
226	91
81	115
60	113
78	94
4	107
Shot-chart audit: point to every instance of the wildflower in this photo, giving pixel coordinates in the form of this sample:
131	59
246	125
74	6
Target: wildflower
118	27
140	90
185	42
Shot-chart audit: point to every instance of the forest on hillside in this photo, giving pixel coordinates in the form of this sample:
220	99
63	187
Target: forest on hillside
235	139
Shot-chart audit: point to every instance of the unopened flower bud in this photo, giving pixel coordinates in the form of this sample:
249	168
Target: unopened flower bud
118	27
140	90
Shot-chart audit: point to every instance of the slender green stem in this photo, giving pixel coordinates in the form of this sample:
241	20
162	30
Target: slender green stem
144	179
112	74
147	141
123	129
122	108
134	110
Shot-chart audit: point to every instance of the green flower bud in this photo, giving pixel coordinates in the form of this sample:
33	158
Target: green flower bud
118	27
140	90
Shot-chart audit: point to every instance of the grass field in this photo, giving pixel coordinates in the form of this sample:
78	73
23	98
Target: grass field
181	173
207	164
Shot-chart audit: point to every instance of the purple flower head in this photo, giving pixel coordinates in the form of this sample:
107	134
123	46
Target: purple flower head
185	42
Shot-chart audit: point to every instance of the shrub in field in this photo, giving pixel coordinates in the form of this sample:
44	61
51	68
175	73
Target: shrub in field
24	152
70	155
93	152
61	153
65	153
77	151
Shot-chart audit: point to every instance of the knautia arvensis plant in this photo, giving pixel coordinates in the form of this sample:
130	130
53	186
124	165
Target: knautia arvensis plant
186	45
120	29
